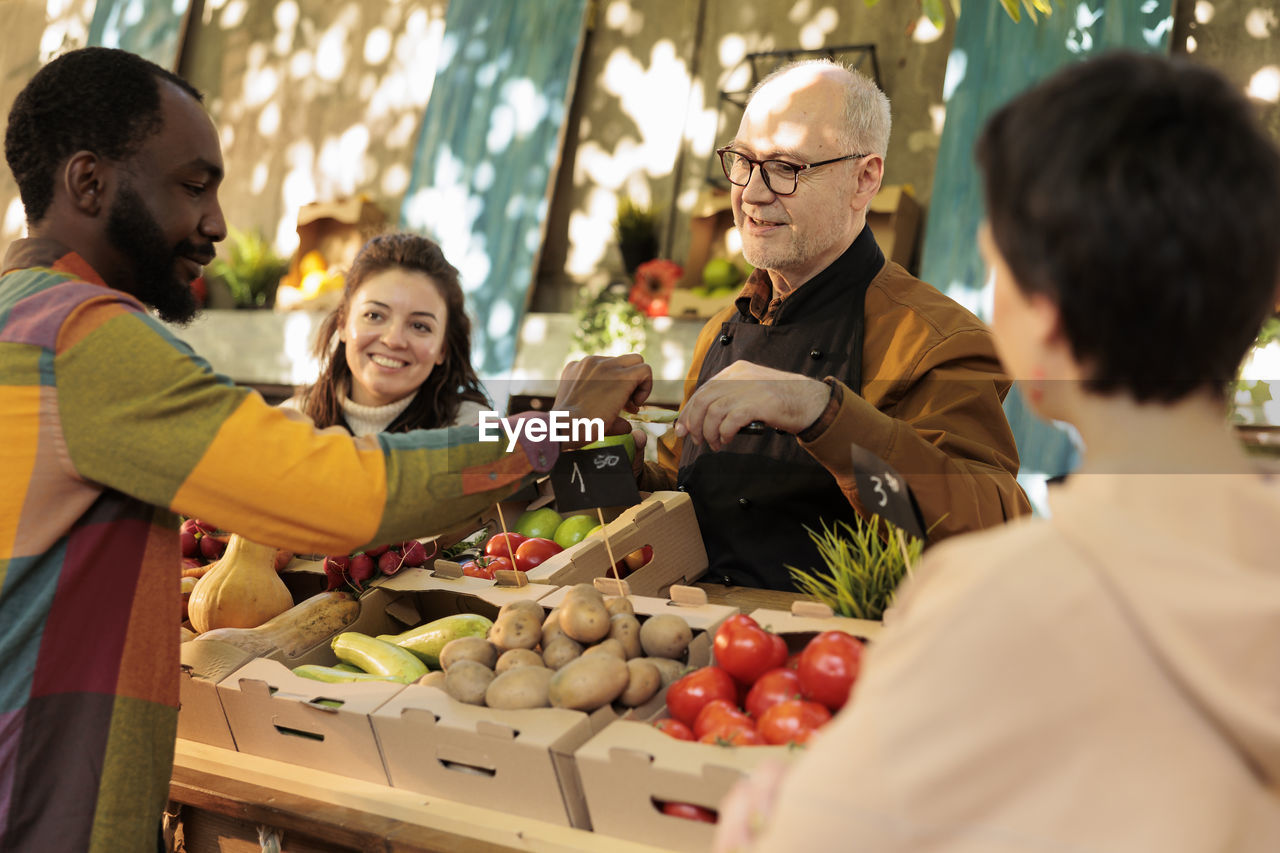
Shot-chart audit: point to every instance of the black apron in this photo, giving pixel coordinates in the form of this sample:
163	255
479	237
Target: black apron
755	496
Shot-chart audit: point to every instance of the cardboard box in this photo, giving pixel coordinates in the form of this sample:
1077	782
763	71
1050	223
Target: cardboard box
519	761
894	217
200	714
630	768
663	520
275	714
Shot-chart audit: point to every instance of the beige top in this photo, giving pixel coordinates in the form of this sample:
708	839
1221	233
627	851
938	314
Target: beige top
1105	680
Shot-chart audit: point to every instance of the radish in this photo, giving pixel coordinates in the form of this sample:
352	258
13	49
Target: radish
390	562
335	571
212	547
362	568
415	553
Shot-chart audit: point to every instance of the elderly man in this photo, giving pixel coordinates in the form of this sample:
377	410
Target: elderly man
828	345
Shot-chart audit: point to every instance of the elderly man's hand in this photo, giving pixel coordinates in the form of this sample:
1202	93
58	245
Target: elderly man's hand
744	392
601	387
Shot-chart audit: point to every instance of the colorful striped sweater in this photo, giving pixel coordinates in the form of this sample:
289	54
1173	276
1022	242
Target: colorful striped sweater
108	427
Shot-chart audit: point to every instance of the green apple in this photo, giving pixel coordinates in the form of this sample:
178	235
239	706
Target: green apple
720	274
573	530
538	524
627	440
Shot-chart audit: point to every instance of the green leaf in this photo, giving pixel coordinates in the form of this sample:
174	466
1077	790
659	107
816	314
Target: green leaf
936	12
870	3
864	566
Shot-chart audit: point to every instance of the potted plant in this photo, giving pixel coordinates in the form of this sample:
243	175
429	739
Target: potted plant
637	231
250	271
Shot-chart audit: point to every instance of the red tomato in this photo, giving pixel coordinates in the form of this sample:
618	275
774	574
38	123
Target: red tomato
497	545
745	650
829	667
532	552
485	567
689	811
687	695
792	721
793	661
674	728
716	714
776	685
732	735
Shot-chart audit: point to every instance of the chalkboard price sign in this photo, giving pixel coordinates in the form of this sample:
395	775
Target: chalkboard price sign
885	492
599	477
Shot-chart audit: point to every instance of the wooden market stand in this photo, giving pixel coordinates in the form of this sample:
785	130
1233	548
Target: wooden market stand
221	798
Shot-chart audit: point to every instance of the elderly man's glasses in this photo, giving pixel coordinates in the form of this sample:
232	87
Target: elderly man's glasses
780	176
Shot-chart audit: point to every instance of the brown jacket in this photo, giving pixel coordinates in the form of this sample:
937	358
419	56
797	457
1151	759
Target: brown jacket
921	409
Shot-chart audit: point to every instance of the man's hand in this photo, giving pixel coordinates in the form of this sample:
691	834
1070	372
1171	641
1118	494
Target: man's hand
601	387
744	392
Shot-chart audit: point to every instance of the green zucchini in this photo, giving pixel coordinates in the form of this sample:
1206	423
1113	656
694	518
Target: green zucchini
334	675
378	657
427	641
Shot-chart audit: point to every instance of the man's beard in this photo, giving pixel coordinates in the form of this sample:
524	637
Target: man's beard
134	232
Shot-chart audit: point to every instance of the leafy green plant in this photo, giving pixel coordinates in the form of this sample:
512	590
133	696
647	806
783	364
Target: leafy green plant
864	566
936	12
251	269
637	230
608	324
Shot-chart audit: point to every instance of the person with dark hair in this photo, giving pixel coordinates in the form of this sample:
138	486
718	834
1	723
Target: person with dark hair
109	426
828	345
1103	679
395	355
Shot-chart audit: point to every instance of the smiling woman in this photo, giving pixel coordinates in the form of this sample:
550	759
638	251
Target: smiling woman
395	355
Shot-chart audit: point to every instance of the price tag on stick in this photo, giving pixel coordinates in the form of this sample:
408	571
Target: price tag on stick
590	479
883	491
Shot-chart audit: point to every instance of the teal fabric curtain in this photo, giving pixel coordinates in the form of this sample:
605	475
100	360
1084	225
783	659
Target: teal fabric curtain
992	60
487	154
150	28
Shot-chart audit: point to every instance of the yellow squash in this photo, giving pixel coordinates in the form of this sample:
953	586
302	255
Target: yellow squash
241	590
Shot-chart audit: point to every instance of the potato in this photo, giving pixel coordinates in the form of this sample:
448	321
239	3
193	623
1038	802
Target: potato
619	604
625	628
560	651
522	687
435	678
528	605
584	590
609	646
516	629
551	628
513	658
477	649
588	682
669	669
467	681
643	683
584	619
665	636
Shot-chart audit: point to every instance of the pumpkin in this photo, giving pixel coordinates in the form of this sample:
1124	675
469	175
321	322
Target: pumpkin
240	590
